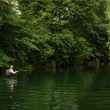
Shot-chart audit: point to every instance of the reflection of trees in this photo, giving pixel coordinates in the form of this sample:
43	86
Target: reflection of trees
86	83
98	97
70	89
66	92
37	92
63	91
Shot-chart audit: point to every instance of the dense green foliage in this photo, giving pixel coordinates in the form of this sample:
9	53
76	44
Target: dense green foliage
65	32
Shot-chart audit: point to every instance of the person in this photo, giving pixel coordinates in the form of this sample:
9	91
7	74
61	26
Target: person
11	71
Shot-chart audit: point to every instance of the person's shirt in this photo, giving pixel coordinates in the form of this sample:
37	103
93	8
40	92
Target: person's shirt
10	70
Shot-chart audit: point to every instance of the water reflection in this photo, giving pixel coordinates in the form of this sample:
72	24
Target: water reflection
61	91
11	83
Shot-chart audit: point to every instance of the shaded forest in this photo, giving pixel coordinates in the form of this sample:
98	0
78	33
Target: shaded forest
55	32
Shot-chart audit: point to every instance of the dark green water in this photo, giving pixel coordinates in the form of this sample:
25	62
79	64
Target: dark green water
61	91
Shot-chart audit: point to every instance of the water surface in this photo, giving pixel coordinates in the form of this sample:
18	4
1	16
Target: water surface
68	90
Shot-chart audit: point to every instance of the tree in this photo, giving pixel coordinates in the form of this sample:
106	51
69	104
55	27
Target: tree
64	31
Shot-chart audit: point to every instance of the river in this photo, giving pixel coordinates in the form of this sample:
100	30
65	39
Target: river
68	90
